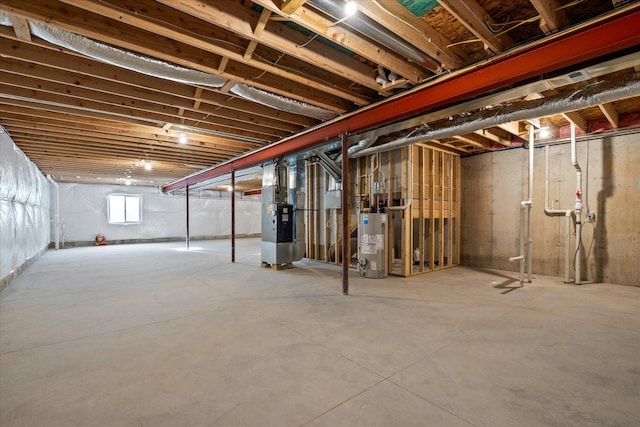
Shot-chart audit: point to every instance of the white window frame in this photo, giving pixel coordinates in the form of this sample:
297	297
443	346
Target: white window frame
123	214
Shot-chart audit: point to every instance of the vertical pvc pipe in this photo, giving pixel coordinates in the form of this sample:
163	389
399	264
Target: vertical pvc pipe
346	236
522	248
530	205
567	246
578	206
233	215
188	236
56	220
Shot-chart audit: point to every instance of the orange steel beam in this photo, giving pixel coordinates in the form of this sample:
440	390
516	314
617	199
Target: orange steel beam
609	35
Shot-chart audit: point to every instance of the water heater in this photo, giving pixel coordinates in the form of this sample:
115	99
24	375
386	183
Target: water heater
372	245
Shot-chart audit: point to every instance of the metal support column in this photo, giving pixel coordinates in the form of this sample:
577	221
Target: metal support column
188	236
233	215
346	236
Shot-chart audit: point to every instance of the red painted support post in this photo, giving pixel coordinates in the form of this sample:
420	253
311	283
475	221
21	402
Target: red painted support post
233	215
188	236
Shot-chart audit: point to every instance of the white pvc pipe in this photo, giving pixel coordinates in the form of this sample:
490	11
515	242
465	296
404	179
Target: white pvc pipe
558	212
530	204
578	206
56	220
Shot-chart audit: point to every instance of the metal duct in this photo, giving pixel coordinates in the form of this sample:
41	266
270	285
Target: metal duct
381	35
280	102
624	90
5	20
122	58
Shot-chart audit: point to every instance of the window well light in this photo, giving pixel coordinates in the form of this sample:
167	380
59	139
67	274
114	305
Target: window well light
350	8
182	138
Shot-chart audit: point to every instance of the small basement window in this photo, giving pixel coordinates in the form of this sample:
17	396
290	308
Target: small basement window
124	209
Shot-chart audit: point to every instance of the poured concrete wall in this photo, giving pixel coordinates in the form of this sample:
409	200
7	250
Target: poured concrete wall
495	183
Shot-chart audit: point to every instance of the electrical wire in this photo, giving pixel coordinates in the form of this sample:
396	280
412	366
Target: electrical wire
517	23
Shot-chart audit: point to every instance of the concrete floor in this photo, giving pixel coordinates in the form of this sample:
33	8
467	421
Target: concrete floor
152	335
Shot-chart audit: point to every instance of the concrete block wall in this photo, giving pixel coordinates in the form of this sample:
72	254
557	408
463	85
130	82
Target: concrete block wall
495	183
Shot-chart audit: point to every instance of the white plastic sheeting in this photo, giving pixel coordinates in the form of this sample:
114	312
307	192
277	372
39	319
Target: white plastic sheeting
280	102
24	207
83	208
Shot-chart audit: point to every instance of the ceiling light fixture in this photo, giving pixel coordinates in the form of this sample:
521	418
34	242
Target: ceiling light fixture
128	182
182	138
148	166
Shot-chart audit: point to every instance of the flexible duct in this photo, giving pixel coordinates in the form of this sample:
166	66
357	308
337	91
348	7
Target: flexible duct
161	69
379	34
122	58
5	21
281	103
624	90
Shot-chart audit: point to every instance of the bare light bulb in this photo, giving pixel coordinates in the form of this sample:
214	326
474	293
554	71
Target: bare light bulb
148	166
182	138
350	8
544	132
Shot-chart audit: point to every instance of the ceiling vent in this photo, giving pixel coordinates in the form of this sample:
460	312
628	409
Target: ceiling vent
567	79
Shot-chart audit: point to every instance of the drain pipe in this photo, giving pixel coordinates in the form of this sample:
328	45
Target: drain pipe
530	203
578	206
56	219
526	204
558	212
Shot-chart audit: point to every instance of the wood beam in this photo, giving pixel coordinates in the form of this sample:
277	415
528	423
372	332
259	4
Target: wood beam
472	16
475	140
319	24
400	21
290	6
493	136
248	53
262	22
611	114
577	119
21	27
552	17
47	56
239	20
119	103
140	37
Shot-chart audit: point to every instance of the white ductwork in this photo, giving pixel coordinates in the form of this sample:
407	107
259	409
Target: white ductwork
280	102
122	58
597	96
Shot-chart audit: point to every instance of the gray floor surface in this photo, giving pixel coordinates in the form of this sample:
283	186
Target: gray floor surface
153	335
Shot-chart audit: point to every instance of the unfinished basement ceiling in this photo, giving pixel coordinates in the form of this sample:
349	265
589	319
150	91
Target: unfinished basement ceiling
94	90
